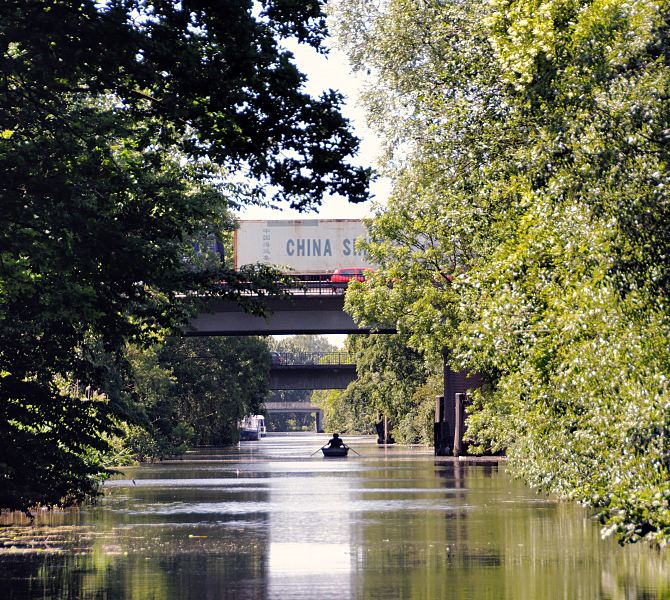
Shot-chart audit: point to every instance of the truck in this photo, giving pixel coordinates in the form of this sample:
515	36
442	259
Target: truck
301	246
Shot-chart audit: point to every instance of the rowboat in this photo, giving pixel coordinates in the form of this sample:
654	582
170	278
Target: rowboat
333	452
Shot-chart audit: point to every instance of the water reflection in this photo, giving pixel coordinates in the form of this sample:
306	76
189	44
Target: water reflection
266	520
309	570
311	528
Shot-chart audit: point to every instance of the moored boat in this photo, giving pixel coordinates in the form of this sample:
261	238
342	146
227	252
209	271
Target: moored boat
252	428
333	452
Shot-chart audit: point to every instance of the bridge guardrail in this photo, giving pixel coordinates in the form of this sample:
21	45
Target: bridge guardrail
315	358
308	288
315	287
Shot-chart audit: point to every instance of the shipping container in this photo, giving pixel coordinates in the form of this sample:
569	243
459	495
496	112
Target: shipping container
301	246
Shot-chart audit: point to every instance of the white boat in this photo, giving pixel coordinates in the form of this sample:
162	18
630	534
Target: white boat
252	428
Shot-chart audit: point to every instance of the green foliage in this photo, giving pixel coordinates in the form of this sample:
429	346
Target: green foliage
290	421
128	129
51	454
346	411
131	444
217	382
417	425
389	373
157	430
301	343
528	231
190	391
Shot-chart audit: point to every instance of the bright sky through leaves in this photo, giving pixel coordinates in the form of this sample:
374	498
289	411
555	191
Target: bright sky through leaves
333	72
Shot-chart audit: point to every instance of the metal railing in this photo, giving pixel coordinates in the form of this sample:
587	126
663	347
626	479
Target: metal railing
309	288
314	358
315	287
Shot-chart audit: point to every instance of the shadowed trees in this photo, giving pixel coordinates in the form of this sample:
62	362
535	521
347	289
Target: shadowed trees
128	129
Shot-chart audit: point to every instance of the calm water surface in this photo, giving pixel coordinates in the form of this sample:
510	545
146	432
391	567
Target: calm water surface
266	520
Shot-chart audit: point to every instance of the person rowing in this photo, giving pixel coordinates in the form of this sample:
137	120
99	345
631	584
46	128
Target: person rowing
335	447
335	442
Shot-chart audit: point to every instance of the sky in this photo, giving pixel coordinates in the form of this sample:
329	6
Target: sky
333	72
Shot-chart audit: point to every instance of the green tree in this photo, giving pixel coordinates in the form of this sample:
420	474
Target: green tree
191	391
297	344
128	128
527	233
346	411
447	147
217	381
148	436
578	296
389	373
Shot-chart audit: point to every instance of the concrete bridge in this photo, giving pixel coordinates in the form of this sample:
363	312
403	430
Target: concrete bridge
319	309
314	310
312	371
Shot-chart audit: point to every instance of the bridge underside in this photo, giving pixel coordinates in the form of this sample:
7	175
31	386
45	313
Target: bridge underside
311	377
291	315
296	407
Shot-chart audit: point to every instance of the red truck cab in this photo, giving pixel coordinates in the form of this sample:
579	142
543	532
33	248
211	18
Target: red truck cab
347	274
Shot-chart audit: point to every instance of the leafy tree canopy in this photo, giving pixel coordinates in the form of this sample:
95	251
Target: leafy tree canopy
301	344
529	151
217	382
389	373
128	129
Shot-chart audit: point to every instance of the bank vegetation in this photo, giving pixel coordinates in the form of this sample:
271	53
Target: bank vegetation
527	234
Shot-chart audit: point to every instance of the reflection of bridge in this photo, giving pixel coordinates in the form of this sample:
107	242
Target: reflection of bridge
314	309
313	371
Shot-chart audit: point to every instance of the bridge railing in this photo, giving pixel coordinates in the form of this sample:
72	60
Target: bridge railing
316	358
308	288
317	288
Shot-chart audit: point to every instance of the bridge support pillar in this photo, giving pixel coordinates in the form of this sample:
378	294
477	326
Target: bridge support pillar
449	425
318	420
450	411
459	422
384	430
443	437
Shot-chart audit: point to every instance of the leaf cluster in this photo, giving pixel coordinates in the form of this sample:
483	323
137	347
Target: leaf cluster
389	375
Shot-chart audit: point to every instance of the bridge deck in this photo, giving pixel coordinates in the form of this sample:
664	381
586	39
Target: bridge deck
289	315
271	407
311	377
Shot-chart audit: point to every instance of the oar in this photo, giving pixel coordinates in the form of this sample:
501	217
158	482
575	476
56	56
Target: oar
350	448
315	451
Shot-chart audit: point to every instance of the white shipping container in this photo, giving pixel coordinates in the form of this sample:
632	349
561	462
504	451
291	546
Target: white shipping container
301	246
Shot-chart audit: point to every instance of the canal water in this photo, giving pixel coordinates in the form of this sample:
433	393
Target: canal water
267	520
